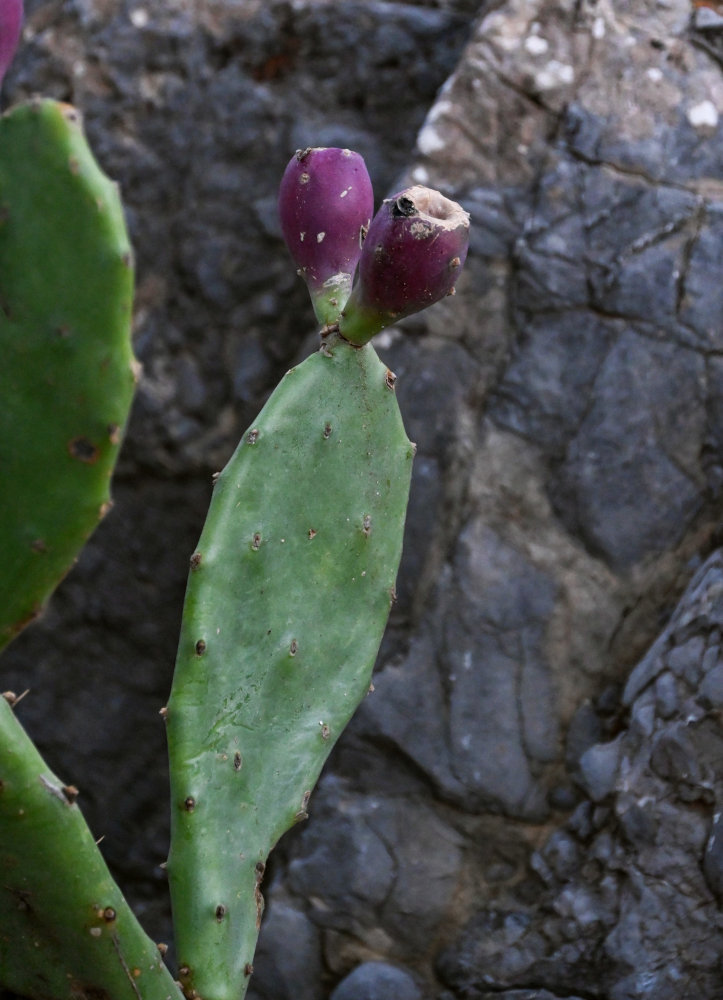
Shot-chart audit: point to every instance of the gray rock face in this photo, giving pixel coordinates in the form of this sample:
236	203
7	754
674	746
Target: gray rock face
628	904
528	806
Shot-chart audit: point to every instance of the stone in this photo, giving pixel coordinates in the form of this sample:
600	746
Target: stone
397	861
287	963
638	819
684	660
713	857
377	981
599	769
666	694
711	687
350	880
562	854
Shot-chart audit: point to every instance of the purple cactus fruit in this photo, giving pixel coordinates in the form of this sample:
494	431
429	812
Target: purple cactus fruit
11	21
325	206
413	253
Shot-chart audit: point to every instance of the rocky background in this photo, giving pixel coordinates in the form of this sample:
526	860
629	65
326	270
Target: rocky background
529	805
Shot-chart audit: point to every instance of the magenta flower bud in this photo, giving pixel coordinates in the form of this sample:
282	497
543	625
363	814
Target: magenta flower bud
413	253
325	206
11	21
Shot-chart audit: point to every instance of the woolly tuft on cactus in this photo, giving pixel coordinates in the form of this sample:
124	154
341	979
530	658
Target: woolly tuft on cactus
11	21
412	255
325	206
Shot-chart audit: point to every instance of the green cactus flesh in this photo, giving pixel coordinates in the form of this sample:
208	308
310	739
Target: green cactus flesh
66	932
67	371
288	596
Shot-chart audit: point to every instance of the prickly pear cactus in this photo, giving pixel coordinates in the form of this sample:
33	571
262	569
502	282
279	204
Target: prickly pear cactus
66	931
67	371
288	596
411	258
326	203
11	22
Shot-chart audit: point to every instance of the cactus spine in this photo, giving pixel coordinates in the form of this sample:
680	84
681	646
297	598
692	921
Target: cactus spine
288	596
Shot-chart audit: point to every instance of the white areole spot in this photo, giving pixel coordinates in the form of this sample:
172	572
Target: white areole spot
139	17
301	236
320	237
345	192
598	28
703	115
654	74
420	175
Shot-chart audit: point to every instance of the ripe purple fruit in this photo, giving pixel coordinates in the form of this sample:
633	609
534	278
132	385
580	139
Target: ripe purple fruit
325	206
413	253
11	20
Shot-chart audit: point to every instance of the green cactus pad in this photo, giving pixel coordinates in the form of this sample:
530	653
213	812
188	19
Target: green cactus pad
288	596
66	932
67	371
